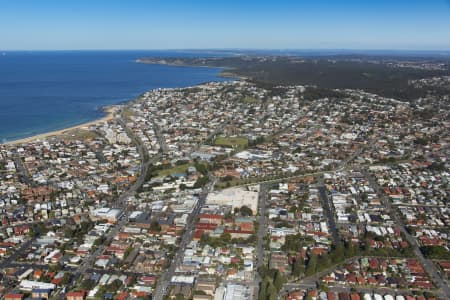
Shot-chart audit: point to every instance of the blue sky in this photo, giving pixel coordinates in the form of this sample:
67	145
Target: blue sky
183	24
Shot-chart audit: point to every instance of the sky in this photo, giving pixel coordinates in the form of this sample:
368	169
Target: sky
229	24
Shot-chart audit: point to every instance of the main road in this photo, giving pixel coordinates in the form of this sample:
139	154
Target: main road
329	212
164	280
260	249
263	189
119	203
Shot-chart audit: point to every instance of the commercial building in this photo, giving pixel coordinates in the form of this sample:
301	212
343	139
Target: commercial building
235	197
105	213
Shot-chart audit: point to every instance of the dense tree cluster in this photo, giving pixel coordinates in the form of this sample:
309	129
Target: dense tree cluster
435	252
371	74
271	284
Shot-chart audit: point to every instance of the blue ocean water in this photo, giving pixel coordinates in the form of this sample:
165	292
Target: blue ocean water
46	91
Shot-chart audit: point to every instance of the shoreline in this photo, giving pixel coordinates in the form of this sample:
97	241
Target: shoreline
110	110
225	72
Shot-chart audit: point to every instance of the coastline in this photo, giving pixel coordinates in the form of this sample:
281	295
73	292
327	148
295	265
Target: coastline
225	72
109	110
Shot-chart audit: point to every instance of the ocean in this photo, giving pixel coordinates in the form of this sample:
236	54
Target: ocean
44	91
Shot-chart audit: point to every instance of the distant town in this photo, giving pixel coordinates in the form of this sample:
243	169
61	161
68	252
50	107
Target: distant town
238	190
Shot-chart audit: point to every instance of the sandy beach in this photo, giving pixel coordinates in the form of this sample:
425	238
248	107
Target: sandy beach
110	110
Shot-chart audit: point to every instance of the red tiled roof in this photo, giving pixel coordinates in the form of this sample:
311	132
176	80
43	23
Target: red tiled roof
206	226
355	296
331	296
210	216
238	231
75	294
122	296
198	234
14	296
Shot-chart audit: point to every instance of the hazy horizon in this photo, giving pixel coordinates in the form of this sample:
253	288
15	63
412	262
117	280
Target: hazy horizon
285	51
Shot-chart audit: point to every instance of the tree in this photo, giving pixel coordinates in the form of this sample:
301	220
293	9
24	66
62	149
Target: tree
437	166
227	178
294	243
278	280
364	196
127	252
226	237
201	182
298	267
262	292
246	211
85	226
338	254
204	239
293	209
435	252
271	292
68	232
324	287
201	168
114	286
54	267
367	247
200	292
428	295
179	297
154	226
262	271
87	284
99	241
323	262
351	250
312	265
66	278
